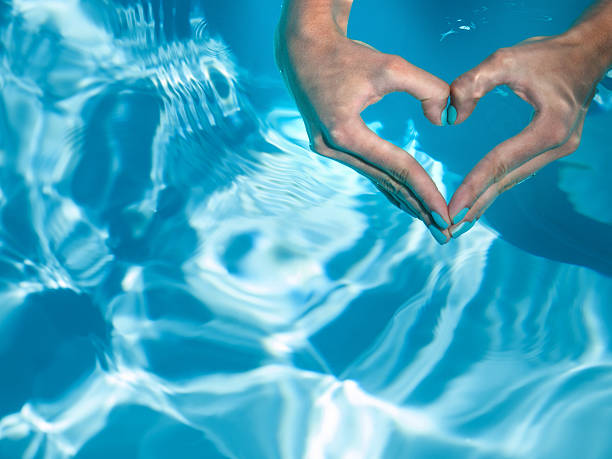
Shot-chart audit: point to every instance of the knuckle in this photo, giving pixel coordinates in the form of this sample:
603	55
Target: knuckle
472	190
403	174
564	106
568	147
385	185
373	92
572	143
391	69
390	66
392	188
470	86
393	63
339	134
500	170
497	169
557	133
460	88
503	57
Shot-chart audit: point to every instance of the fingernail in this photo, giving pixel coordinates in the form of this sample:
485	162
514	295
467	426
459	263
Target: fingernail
465	226
438	235
439	220
460	216
444	118
452	115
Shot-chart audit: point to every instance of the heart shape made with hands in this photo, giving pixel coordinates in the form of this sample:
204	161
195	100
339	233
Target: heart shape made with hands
556	75
560	102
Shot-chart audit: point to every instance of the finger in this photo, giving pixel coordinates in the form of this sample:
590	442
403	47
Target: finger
518	176
398	197
398	193
401	75
538	137
469	88
404	198
401	196
393	200
357	139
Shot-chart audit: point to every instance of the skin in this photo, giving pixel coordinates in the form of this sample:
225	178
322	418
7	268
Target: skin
557	76
333	79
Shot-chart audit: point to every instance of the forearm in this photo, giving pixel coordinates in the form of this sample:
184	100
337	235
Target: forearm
594	31
313	17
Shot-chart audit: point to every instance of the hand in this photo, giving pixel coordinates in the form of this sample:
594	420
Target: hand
333	79
558	77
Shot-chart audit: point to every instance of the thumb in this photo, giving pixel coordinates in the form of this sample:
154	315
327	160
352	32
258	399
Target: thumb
469	88
433	92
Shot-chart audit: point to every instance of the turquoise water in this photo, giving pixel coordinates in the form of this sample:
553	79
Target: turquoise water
181	277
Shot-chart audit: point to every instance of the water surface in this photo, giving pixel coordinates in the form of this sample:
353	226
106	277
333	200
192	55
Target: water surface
181	277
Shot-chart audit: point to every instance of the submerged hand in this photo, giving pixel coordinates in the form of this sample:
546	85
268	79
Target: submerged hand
558	77
333	79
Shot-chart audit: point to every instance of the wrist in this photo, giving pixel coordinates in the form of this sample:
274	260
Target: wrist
594	35
314	19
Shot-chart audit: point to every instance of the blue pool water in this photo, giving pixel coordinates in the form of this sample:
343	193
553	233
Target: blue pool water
181	277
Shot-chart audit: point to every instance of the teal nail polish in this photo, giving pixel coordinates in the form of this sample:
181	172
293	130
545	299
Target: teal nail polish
439	220
437	234
465	226
460	216
532	116
451	116
444	118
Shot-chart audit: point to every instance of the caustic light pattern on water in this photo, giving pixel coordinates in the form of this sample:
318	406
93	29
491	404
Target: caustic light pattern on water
181	277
